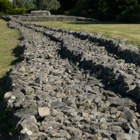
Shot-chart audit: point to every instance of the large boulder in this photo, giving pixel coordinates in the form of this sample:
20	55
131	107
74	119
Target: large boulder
41	12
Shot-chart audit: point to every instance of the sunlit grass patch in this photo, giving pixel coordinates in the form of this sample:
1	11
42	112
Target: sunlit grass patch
131	32
8	41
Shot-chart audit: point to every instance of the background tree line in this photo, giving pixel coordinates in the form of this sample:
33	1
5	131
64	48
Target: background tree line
24	6
120	10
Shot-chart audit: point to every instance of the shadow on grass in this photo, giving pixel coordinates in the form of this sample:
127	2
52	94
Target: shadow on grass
98	22
5	86
18	53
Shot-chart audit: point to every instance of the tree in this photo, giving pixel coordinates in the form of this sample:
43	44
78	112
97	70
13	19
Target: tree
116	7
67	5
28	4
131	15
47	4
91	8
5	6
104	9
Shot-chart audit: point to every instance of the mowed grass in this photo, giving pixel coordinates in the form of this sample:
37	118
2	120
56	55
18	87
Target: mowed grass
131	32
9	39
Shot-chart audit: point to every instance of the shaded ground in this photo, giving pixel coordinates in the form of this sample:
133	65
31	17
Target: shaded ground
9	39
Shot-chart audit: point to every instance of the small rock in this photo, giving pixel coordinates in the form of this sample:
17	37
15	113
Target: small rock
116	129
122	136
113	110
133	134
43	111
22	69
10	98
7	95
97	136
42	136
129	114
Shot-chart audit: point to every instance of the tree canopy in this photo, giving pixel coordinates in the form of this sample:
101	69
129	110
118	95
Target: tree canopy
47	4
37	4
104	9
121	10
23	4
5	6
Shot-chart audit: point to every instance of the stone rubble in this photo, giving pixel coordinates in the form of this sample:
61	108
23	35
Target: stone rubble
40	12
73	86
47	16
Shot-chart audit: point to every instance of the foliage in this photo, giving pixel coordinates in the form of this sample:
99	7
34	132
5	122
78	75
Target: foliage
47	4
37	4
1	14
116	7
122	10
67	5
90	8
132	15
101	9
5	6
24	4
19	11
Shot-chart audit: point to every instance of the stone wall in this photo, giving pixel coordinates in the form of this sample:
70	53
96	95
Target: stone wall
40	12
73	86
33	17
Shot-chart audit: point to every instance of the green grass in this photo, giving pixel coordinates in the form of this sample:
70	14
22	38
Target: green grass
8	41
131	32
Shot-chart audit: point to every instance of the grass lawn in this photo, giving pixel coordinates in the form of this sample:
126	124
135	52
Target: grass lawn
131	32
8	41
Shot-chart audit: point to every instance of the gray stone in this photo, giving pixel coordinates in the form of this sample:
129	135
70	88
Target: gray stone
27	126
42	136
70	111
58	104
41	12
123	136
74	131
134	90
133	134
129	114
43	111
73	83
10	98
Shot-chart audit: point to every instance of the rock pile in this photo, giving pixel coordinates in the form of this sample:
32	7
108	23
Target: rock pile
74	86
40	12
44	17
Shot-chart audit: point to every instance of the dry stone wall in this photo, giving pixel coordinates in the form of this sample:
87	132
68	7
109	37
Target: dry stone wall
40	12
74	86
38	17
